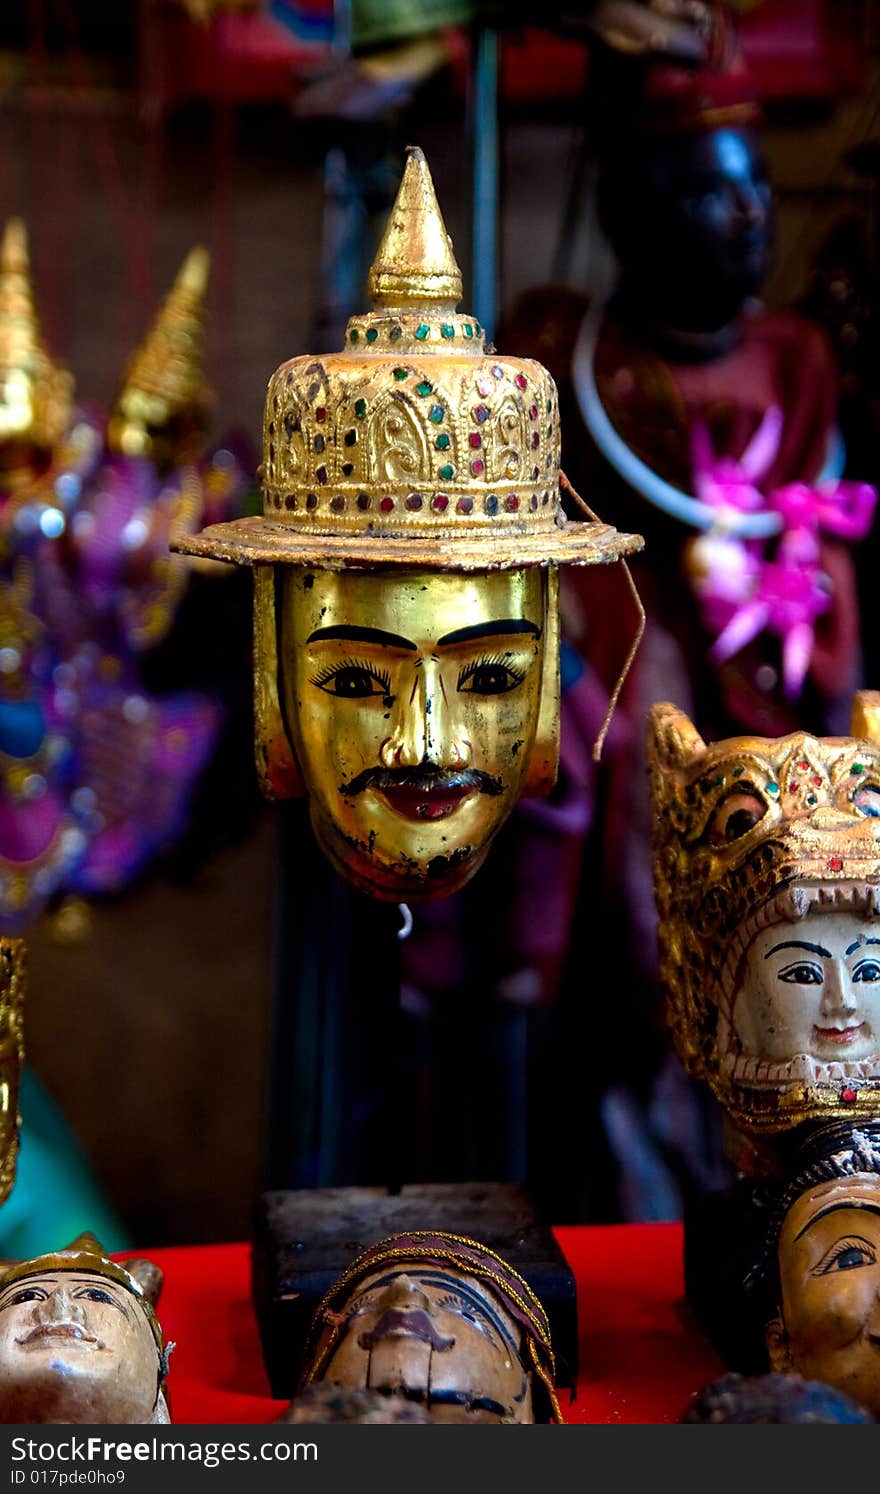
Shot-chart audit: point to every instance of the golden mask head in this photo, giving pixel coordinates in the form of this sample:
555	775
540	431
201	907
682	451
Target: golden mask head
406	614
767	881
823	1264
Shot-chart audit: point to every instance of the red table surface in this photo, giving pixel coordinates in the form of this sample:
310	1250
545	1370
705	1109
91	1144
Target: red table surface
641	1354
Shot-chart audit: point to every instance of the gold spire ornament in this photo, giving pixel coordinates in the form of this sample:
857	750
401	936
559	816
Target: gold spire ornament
408	551
163	407
36	393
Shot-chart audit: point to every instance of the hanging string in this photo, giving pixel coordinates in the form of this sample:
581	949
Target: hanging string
134	212
640	625
40	134
222	327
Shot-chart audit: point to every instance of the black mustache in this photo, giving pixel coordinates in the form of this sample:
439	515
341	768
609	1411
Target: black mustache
426	778
415	1322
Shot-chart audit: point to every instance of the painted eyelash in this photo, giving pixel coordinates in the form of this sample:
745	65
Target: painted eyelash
330	671
491	661
854	1242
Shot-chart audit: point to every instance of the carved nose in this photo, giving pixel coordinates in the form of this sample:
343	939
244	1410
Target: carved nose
404	1295
838	997
59	1307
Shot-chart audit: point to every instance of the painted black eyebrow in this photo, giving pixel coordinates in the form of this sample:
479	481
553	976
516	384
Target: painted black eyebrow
859	944
352	633
800	944
496	628
852	1203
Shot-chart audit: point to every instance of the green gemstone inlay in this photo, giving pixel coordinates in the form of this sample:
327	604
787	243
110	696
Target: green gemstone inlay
772	788
446	473
422	331
423	388
442	442
396	333
401	373
857	768
447	330
436	413
372	334
468	330
360	408
355	334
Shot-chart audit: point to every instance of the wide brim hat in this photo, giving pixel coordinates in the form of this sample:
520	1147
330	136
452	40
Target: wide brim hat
417	445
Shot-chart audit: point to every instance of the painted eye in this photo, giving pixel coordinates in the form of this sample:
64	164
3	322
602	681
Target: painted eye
353	681
867	800
735	816
867	970
28	1294
846	1255
96	1294
802	974
490	677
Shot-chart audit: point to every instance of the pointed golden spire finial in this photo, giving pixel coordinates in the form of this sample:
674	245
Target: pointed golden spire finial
35	392
415	264
162	409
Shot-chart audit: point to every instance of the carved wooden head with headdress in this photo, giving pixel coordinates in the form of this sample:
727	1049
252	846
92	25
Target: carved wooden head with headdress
407	654
443	1320
767	882
80	1340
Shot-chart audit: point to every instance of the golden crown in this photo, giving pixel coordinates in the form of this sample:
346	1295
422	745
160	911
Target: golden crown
748	832
415	445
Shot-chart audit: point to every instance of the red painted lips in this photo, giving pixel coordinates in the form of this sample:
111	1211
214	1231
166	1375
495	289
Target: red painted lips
425	804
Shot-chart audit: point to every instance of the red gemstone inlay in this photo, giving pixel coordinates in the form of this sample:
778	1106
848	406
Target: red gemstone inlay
440	502
520	382
477	467
386	505
848	1096
536	441
816	781
511	504
794	786
533	412
802	766
475	439
835	864
321	414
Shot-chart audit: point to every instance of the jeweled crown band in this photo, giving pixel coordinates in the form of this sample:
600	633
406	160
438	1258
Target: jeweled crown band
365	435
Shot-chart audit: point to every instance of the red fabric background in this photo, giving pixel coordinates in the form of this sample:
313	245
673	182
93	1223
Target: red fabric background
642	1357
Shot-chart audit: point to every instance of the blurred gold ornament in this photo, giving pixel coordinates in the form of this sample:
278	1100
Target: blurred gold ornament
162	410
35	392
13	986
72	922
